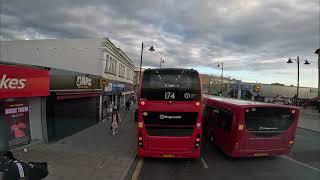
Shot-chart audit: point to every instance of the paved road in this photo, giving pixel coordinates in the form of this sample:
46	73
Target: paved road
302	163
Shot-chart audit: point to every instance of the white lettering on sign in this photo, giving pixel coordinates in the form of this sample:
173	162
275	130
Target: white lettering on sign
16	110
23	109
12	83
169	95
83	81
11	111
169	117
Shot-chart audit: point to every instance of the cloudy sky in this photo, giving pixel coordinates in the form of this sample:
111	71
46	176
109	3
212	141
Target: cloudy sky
254	38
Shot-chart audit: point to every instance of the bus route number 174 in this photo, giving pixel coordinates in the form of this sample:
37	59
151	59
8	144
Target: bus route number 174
169	95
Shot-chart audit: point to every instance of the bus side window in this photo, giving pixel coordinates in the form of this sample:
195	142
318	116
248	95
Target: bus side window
227	118
215	117
222	119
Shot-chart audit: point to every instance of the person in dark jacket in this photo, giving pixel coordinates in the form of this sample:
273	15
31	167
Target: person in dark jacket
128	103
14	169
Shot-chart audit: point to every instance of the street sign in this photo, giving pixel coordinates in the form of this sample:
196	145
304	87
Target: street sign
103	82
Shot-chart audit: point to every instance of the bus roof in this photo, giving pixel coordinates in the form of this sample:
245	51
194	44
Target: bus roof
240	102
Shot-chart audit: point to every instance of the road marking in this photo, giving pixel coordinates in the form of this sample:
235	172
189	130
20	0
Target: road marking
137	170
306	165
204	163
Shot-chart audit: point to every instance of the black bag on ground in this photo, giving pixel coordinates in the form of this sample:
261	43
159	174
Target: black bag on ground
39	169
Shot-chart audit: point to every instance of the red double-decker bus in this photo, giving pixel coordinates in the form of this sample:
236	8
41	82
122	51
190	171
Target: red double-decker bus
169	114
246	128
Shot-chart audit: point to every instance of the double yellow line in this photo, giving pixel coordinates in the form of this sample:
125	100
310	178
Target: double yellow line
137	170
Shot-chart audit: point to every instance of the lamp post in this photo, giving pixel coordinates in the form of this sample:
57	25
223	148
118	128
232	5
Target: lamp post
298	62
221	76
161	62
150	49
318	52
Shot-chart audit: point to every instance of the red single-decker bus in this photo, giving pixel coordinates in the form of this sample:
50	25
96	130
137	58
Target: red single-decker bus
247	129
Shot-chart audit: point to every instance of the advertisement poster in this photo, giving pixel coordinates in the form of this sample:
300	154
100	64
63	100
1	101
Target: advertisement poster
16	114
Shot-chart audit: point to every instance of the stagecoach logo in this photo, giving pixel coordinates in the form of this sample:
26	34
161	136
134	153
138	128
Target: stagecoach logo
267	128
169	117
83	82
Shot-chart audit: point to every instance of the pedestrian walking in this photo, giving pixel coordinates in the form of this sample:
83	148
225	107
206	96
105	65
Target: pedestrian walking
109	109
128	103
133	99
115	121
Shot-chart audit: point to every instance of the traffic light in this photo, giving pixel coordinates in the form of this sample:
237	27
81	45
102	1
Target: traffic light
256	88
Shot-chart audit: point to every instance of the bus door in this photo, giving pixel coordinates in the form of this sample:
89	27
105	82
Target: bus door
221	125
267	128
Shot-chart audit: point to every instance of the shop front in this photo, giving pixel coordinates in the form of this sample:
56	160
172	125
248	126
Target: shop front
73	104
117	93
22	101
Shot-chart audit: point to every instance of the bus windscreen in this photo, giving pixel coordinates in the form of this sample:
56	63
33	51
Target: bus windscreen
171	84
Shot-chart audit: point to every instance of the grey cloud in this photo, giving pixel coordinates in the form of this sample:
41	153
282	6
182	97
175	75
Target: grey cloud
248	35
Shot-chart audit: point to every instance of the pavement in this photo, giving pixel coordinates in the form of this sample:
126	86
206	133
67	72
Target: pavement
90	154
309	119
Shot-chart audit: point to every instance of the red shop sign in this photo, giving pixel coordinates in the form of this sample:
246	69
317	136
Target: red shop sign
18	81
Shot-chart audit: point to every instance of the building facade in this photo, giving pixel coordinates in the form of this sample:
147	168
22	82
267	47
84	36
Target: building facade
208	81
118	70
23	92
84	75
263	92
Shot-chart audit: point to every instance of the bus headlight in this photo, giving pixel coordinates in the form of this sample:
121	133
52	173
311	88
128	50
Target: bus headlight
198	126
140	124
197	103
197	144
140	141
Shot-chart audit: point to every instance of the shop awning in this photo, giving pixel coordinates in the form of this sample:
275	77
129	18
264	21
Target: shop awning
76	95
125	93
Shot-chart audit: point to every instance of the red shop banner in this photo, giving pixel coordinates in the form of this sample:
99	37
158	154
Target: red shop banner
16	81
16	114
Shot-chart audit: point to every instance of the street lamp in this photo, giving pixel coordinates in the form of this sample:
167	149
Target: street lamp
221	76
318	52
150	49
298	62
161	61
